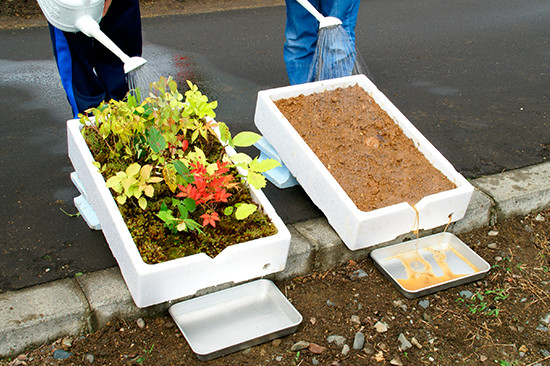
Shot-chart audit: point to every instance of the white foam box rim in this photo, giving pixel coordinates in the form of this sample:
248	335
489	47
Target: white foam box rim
358	229
151	284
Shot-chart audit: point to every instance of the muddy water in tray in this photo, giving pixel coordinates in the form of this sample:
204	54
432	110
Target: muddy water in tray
431	266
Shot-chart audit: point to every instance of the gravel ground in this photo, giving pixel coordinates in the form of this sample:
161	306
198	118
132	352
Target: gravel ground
354	316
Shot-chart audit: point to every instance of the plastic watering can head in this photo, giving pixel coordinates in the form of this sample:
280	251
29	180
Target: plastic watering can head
329	22
133	64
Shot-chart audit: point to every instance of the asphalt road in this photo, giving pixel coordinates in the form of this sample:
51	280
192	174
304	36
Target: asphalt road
473	76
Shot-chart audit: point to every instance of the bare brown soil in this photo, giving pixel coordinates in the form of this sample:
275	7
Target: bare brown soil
363	148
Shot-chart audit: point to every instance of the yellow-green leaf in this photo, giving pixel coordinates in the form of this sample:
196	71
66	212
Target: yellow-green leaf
154	180
256	180
142	203
127	183
121	199
149	191
264	165
211	168
244	210
133	169
241	158
114	183
246	138
145	171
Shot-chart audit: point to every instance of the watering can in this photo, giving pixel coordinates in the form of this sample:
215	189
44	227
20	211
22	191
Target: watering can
84	16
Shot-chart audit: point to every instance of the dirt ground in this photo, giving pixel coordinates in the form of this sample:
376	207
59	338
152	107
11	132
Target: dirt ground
501	319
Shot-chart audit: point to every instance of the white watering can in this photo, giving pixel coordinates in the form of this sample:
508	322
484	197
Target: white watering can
84	16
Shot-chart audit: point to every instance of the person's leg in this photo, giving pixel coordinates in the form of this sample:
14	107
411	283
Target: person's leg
345	10
301	34
122	24
74	58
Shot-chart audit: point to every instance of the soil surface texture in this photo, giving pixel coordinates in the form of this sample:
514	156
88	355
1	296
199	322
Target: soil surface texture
363	148
352	315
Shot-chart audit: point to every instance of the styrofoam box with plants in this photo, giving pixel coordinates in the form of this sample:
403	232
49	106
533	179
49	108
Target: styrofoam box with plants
358	229
151	284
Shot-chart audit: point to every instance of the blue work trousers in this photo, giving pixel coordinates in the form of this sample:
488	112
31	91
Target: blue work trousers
302	29
89	72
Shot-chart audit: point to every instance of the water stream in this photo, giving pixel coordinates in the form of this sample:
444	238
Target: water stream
336	56
141	78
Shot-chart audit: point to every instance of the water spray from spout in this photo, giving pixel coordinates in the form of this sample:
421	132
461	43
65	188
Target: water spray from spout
140	79
335	55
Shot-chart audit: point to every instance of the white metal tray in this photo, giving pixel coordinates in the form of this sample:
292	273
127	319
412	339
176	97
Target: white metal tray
226	321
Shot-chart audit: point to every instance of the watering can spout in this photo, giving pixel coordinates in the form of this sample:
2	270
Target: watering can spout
134	63
87	25
329	22
324	22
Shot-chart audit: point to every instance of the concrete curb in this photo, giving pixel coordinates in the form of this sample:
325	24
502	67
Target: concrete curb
41	314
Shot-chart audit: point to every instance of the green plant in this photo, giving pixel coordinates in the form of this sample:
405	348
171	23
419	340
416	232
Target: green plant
500	294
77	214
479	304
135	181
165	161
147	353
520	266
506	363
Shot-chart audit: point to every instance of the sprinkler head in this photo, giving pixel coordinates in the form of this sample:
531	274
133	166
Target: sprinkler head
134	63
329	22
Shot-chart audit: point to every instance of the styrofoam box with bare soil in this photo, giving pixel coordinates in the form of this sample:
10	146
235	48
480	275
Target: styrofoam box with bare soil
358	229
151	284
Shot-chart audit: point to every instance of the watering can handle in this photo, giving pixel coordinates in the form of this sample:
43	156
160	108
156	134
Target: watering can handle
87	25
307	5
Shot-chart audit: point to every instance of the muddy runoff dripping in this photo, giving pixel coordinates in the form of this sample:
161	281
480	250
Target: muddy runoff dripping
428	266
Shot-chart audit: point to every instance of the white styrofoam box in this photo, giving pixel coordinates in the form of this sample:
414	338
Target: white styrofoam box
152	284
358	229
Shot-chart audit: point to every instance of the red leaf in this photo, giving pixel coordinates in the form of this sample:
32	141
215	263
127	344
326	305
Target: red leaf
210	219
